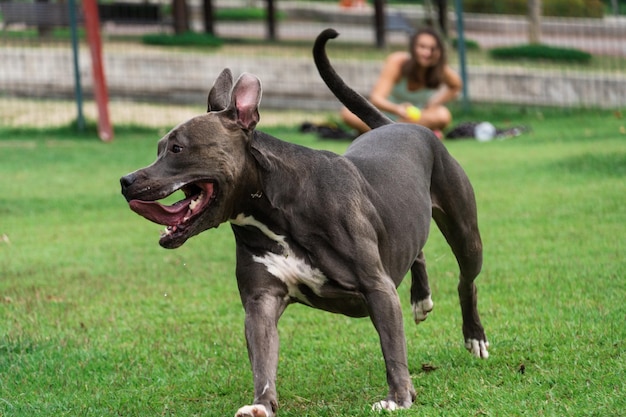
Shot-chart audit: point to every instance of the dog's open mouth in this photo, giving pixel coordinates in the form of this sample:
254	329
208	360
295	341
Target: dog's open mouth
198	195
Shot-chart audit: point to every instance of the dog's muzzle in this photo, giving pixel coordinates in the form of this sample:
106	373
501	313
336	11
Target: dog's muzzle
126	181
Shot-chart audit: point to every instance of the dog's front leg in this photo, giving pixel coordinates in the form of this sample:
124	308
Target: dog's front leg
262	314
386	314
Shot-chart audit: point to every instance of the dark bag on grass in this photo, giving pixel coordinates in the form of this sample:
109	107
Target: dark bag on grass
326	131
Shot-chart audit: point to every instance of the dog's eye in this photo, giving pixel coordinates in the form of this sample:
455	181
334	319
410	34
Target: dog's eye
176	148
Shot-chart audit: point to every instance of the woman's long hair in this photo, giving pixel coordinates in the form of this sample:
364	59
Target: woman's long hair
433	76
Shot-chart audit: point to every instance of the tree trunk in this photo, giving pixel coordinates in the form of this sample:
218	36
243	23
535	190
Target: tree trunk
43	30
208	16
181	16
379	23
615	7
271	20
534	21
442	8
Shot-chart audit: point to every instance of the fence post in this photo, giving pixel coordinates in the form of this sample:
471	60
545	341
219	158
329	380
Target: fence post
92	25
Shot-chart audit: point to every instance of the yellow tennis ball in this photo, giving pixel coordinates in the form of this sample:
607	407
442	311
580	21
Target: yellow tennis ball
413	113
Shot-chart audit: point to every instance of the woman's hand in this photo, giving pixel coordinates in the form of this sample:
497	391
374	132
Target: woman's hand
402	110
408	112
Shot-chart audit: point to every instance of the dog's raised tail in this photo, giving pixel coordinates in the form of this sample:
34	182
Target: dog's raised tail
355	102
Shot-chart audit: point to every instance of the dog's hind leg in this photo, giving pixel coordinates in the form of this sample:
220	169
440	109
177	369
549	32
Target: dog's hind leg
386	315
421	301
454	211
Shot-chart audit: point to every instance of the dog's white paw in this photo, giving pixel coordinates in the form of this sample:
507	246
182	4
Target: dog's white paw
421	309
477	348
253	411
385	405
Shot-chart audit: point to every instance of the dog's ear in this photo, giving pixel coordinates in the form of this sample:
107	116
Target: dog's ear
245	100
219	96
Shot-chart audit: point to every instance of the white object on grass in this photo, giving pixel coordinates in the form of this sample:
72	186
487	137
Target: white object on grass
484	132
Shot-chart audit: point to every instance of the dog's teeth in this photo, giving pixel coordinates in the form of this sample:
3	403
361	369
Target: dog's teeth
168	230
194	203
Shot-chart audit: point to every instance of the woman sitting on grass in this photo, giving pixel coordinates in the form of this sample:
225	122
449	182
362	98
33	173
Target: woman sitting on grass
414	86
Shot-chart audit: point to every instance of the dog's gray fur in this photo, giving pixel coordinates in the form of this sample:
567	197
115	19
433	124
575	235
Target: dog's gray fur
333	232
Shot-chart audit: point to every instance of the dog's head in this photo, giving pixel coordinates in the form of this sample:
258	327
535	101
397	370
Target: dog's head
204	157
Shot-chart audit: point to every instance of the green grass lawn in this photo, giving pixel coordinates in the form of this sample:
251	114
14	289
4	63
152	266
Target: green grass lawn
97	320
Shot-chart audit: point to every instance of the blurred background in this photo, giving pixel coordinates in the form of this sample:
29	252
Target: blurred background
160	57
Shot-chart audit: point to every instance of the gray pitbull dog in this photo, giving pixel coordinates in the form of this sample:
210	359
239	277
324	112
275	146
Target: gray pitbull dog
333	232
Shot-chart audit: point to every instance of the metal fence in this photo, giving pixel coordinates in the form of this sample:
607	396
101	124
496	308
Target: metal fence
159	85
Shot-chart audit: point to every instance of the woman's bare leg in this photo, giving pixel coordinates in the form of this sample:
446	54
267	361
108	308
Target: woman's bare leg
353	121
434	118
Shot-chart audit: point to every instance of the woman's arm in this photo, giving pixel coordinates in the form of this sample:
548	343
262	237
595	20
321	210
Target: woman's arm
389	76
452	85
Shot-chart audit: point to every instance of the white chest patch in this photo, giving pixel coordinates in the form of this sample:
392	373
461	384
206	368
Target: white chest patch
287	267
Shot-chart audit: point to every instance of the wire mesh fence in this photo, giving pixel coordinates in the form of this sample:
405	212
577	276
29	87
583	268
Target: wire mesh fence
161	85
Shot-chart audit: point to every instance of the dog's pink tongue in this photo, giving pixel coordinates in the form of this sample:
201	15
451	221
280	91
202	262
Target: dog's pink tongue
160	214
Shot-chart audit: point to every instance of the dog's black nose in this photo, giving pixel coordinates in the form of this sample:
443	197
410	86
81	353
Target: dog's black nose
126	181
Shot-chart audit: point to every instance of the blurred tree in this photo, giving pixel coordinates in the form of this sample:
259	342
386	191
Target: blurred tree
208	16
379	23
43	29
534	21
271	20
442	7
181	16
615	7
